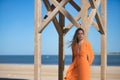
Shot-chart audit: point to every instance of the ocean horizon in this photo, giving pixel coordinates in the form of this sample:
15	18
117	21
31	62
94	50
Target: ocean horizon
112	60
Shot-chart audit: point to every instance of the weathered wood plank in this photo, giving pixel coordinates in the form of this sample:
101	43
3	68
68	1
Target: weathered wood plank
55	21
99	21
95	25
84	16
65	13
95	5
61	48
104	41
71	25
75	5
37	40
91	17
61	58
53	14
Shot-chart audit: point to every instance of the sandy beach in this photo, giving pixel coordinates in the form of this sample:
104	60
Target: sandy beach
50	72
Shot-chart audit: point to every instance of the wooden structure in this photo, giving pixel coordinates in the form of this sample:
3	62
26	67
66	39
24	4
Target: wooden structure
55	7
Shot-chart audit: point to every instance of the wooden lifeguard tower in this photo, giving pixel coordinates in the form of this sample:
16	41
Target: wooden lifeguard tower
55	7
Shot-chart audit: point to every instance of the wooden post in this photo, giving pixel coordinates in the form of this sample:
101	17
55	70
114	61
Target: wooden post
61	58
103	41
37	39
61	48
84	13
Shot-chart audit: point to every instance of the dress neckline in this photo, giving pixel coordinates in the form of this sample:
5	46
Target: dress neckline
79	47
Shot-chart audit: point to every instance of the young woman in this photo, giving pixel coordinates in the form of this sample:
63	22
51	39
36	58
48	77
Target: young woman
82	58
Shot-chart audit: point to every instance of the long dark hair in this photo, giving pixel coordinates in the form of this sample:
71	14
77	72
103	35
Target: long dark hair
75	38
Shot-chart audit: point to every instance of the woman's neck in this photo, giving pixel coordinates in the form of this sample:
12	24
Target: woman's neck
80	42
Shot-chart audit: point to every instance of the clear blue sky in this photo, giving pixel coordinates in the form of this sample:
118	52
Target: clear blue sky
17	29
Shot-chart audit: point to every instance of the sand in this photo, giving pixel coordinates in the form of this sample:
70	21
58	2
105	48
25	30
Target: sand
50	72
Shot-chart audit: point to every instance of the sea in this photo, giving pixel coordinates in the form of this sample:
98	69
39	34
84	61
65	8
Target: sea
112	60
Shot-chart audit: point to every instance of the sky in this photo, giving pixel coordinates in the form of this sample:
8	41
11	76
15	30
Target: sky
17	29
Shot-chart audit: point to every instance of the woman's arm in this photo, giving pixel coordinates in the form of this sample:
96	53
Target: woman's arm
90	54
73	53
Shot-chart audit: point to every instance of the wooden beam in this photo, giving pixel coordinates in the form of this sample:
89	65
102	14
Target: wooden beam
99	21
55	21
78	17
48	13
37	40
53	14
95	25
65	13
57	26
47	4
59	1
92	4
67	28
75	5
91	17
104	41
48	19
95	5
61	20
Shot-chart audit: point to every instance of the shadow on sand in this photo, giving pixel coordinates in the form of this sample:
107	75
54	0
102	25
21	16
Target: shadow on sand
11	79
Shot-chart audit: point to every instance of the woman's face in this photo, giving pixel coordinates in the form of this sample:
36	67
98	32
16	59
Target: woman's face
80	35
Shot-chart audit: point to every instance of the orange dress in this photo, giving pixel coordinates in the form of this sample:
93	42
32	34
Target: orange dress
81	61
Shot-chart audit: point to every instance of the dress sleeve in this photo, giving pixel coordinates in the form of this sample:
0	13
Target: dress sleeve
90	53
73	53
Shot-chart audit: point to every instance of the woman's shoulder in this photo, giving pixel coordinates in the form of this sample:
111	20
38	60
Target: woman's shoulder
87	42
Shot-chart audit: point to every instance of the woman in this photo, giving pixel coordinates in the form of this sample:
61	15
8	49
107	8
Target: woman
82	58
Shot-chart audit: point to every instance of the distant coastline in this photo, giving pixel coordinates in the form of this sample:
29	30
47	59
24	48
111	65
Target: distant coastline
114	53
112	59
16	54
